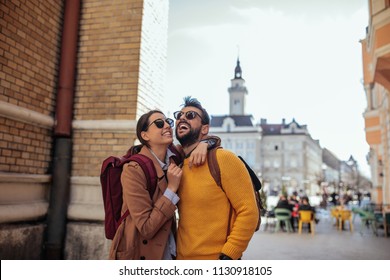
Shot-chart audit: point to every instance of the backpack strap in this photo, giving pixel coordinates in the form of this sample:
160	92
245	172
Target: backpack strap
255	180
133	150
149	170
216	173
214	166
150	175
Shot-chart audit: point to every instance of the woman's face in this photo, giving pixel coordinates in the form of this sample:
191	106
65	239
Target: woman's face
159	131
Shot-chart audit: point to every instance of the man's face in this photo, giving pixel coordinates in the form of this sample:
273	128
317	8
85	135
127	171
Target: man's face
188	126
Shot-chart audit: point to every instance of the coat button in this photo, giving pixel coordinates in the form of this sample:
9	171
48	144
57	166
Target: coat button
142	257
145	241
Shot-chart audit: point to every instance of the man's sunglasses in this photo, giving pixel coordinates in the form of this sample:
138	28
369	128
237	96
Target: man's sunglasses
160	123
190	115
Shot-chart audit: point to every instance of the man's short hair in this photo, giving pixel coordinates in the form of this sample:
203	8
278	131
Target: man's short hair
193	102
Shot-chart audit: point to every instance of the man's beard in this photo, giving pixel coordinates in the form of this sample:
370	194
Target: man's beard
191	137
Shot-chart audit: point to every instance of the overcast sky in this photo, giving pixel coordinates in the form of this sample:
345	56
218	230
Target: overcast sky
300	59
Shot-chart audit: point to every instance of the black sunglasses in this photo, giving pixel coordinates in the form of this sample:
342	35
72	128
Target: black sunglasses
190	115
160	123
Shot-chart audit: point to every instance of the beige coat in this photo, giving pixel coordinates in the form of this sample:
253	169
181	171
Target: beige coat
144	233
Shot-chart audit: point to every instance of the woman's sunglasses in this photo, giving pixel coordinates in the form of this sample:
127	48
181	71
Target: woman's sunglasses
190	115
160	123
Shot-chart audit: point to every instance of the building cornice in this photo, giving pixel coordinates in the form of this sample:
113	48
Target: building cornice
105	125
28	116
25	115
23	178
23	197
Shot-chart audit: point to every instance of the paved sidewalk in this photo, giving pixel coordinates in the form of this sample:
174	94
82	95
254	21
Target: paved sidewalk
328	243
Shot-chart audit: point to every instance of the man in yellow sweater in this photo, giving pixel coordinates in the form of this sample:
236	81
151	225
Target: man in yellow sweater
205	209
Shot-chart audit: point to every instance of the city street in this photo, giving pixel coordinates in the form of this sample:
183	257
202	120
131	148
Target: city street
328	243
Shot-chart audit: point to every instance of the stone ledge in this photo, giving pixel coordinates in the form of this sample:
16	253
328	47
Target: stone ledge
23	178
105	125
23	212
18	189
21	114
86	212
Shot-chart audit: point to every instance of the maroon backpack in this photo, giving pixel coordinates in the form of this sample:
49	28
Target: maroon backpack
110	179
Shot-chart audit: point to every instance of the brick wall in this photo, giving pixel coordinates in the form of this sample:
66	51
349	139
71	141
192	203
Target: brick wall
91	147
121	74
108	59
153	56
107	81
30	33
25	148
121	65
29	48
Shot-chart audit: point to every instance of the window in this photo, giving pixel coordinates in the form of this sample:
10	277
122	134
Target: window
228	145
250	145
293	163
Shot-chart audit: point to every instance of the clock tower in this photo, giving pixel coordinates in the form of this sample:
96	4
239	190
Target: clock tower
237	92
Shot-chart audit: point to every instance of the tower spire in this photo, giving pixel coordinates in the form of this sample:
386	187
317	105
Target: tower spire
237	70
237	91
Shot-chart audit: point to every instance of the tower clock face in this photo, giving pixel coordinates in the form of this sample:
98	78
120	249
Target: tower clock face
238	75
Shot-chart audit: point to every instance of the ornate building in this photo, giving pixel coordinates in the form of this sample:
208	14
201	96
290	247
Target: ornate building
284	155
281	154
376	71
290	158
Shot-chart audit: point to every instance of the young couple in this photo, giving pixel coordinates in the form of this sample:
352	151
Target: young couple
205	230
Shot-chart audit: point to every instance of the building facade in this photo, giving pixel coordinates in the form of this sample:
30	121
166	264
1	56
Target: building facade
376	73
331	170
292	160
236	130
75	76
284	155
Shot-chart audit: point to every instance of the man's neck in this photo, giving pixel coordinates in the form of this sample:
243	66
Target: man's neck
188	149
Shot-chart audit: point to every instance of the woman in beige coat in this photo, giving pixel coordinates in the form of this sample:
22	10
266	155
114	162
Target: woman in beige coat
148	233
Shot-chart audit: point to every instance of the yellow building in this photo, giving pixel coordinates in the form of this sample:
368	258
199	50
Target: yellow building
376	70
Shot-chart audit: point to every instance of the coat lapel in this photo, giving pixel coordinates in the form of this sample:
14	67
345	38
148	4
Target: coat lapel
160	173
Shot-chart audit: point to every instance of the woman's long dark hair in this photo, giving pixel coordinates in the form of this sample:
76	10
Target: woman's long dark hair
143	124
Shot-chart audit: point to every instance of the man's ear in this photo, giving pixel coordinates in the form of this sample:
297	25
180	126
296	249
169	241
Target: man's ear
205	129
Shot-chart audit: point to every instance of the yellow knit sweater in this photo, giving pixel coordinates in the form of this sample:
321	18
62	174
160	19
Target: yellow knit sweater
204	210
